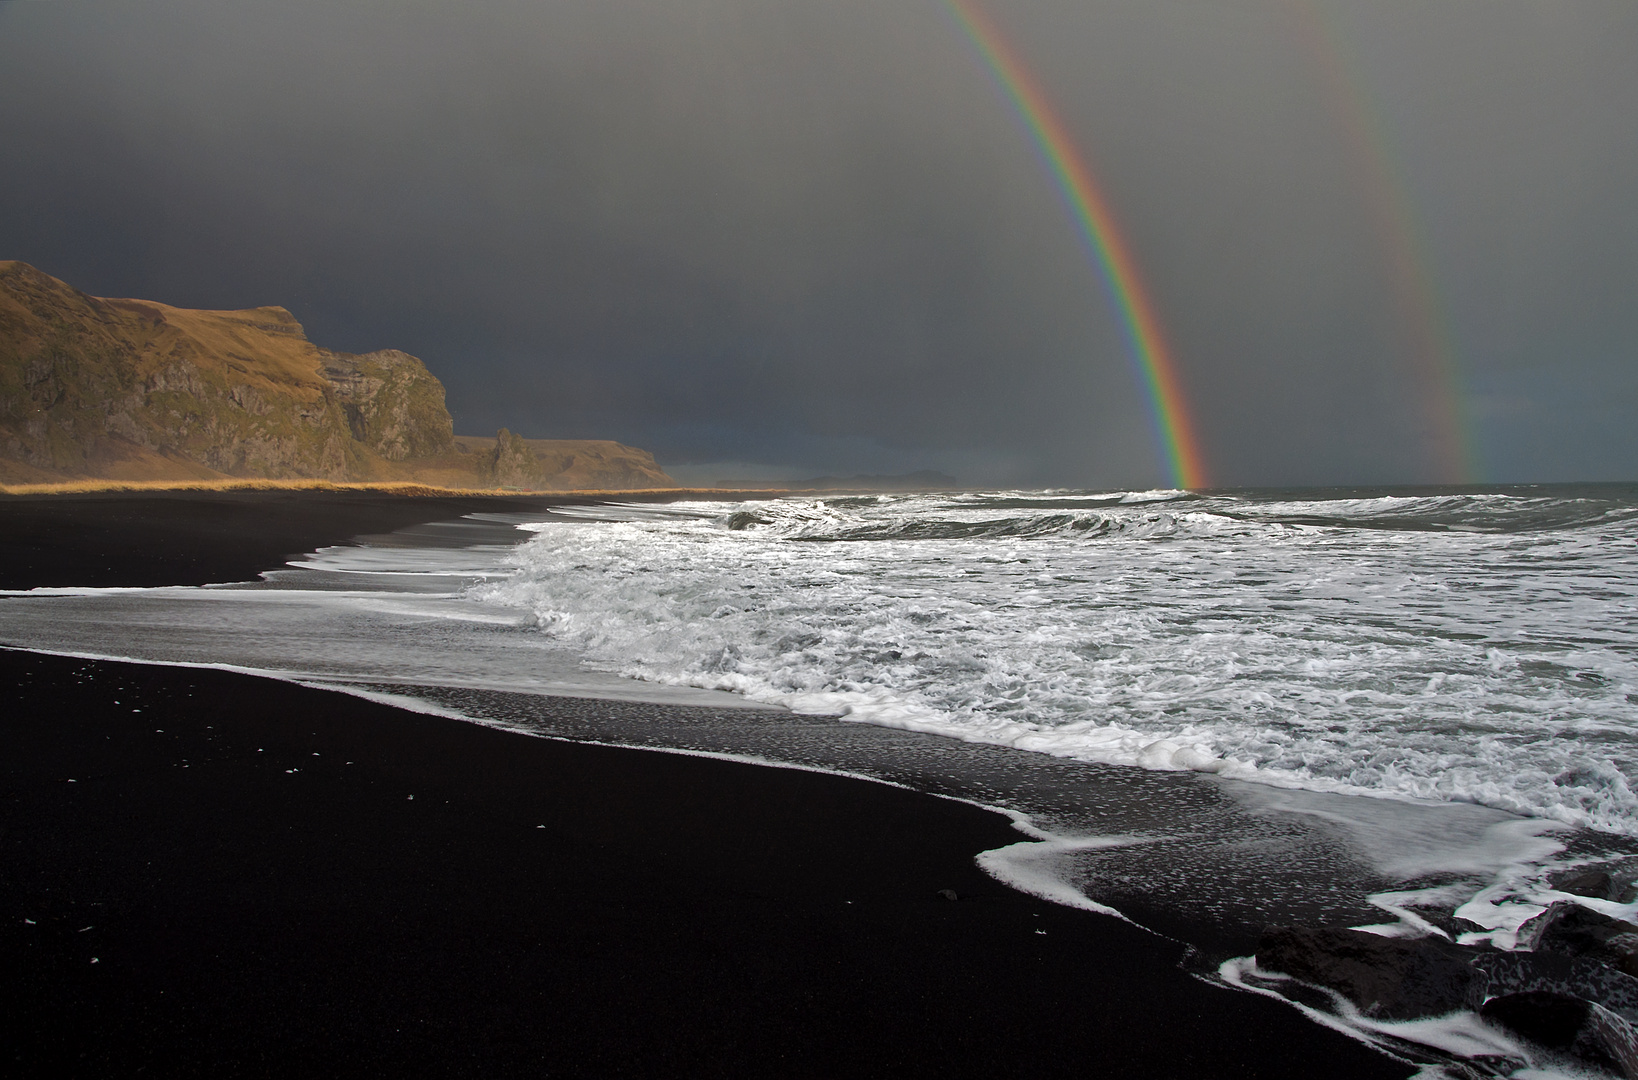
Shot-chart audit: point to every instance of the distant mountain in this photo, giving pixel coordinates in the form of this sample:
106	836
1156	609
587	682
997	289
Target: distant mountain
94	388
925	480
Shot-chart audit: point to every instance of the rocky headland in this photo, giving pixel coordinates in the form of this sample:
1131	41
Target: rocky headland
134	390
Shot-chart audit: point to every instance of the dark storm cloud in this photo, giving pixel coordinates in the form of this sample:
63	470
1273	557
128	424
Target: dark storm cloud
812	235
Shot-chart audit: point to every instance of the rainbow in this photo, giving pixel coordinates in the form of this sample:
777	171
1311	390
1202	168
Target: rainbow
1416	294
1146	345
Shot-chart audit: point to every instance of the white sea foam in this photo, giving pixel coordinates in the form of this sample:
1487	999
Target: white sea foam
1033	866
1461	1034
1348	645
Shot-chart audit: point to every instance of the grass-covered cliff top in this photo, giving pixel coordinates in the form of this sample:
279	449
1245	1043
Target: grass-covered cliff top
118	392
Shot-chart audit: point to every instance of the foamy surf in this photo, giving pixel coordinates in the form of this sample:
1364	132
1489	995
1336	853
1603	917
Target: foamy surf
1210	712
1345	645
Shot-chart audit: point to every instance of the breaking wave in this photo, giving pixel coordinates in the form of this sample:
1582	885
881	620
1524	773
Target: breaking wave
1460	647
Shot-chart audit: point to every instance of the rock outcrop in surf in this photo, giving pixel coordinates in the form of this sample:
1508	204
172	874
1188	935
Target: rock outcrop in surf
94	388
1569	988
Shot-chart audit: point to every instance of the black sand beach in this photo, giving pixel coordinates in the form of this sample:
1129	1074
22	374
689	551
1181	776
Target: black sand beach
106	539
212	874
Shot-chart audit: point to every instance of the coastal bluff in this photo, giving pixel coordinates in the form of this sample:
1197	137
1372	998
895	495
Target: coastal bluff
133	390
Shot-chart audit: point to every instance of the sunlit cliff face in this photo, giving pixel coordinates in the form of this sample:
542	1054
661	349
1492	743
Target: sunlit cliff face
818	238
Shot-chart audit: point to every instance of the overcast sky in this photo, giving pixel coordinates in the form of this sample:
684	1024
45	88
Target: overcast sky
785	237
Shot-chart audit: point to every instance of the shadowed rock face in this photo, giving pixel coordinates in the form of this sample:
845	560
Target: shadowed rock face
511	461
93	388
392	403
515	464
127	389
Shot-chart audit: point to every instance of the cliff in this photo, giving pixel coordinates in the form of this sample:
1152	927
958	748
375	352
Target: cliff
94	388
925	480
509	460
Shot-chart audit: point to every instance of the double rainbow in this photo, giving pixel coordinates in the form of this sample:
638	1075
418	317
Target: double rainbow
1146	345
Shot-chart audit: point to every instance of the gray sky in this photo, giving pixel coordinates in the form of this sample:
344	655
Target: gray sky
768	237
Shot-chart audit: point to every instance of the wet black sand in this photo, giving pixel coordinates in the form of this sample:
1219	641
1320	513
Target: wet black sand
263	896
103	539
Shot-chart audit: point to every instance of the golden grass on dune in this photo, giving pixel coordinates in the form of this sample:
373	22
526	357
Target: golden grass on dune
83	487
404	488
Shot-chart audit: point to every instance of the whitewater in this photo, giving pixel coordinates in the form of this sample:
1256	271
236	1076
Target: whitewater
1411	711
1477	648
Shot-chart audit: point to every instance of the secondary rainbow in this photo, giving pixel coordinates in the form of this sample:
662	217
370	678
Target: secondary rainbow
1146	344
1439	390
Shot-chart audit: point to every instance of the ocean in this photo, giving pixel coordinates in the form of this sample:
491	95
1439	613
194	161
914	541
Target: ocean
1413	710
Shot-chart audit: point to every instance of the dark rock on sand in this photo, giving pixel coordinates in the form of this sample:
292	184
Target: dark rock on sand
1578	954
1597	884
1571	988
1386	978
1574	930
1573	976
1581	1029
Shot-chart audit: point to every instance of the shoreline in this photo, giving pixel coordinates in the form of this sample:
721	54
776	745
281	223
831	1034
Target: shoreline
677	916
730	918
210	535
